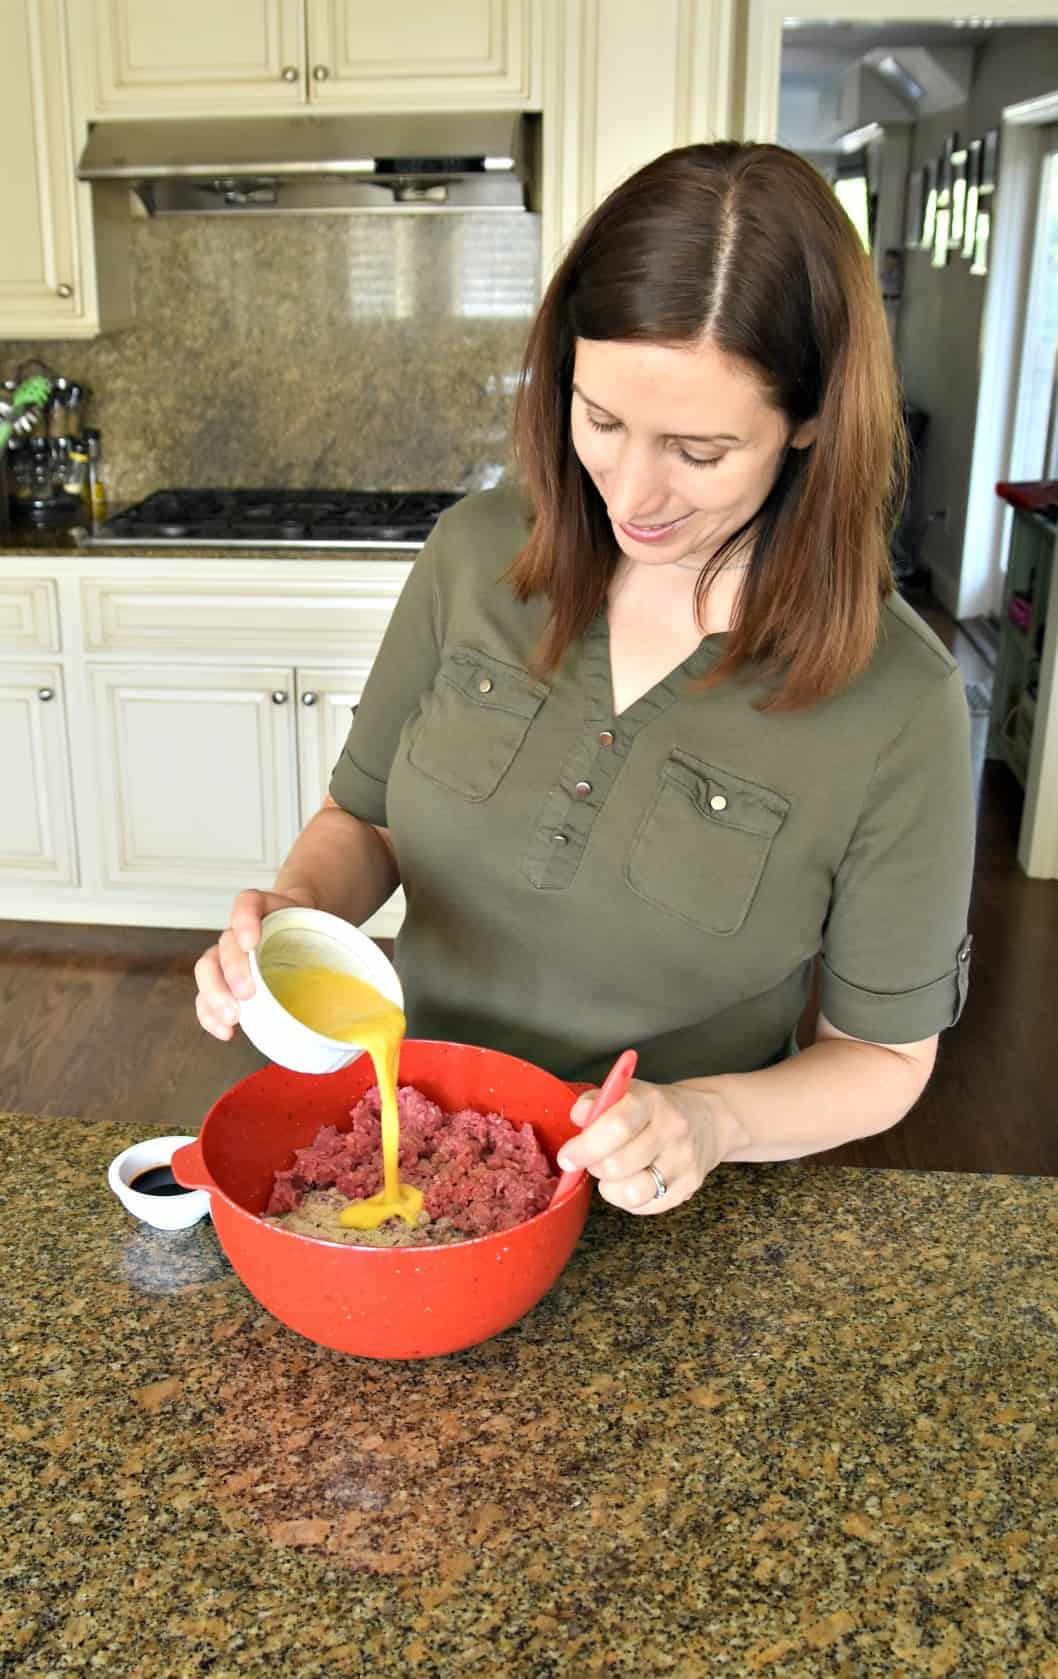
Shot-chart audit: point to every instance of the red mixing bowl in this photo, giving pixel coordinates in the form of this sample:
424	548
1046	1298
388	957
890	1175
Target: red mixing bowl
382	1302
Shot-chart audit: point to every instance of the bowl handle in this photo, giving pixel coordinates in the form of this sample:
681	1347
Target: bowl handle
189	1168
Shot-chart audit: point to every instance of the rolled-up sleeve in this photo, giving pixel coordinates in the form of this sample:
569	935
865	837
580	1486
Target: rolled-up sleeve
406	665
896	951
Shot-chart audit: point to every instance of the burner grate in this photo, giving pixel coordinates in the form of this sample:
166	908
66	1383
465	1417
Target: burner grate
279	517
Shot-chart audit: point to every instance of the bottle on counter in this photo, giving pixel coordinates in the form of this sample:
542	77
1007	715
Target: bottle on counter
75	478
74	416
97	490
56	416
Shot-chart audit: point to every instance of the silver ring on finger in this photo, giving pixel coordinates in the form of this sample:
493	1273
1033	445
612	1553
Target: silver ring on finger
661	1188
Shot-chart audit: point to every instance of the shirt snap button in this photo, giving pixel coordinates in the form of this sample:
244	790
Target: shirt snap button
606	738
559	839
582	789
485	685
718	802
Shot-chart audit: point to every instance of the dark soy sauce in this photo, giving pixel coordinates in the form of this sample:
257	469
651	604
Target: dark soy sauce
158	1180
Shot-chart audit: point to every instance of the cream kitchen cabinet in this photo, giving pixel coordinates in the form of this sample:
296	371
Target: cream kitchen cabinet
198	774
54	282
467	54
265	55
207	774
36	814
210	759
206	701
326	702
150	59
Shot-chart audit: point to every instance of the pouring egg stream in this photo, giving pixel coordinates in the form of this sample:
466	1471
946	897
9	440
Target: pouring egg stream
339	1005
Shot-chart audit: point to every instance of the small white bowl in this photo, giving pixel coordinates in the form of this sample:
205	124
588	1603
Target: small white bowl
165	1212
301	938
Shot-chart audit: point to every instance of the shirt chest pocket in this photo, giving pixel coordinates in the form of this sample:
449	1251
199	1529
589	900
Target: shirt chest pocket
473	721
703	844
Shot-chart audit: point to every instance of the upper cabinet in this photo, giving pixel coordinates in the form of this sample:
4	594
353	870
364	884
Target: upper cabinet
278	55
47	255
466	53
150	59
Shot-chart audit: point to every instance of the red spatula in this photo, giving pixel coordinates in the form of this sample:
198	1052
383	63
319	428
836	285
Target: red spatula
616	1083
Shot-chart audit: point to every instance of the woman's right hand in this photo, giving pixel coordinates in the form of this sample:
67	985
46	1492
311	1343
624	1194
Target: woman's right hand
222	973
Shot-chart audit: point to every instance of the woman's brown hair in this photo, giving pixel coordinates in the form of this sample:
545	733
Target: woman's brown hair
747	246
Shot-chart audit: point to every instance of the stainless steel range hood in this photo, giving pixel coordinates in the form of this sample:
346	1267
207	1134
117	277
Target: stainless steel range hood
477	160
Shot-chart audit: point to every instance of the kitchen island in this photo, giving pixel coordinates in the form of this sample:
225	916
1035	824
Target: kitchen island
804	1425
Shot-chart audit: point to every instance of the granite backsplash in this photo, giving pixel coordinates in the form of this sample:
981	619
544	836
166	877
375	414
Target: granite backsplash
357	351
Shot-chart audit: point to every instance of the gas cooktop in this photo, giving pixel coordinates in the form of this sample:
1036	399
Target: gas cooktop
277	519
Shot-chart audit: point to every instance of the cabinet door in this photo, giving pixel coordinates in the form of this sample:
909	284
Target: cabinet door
41	290
466	53
326	700
197	772
36	815
198	55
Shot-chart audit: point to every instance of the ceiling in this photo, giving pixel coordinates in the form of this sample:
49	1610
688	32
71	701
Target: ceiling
822	94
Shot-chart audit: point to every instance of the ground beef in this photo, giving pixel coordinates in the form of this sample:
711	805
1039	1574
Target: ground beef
478	1174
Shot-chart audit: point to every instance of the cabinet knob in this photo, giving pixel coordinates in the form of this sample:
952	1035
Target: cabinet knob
64	291
278	697
45	693
320	73
291	73
309	698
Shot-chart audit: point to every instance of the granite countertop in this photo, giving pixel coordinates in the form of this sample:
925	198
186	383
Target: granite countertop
802	1426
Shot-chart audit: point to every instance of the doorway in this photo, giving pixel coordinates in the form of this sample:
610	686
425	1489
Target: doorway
1034	449
961	306
906	119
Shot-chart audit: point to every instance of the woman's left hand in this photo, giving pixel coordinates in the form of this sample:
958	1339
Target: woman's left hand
678	1131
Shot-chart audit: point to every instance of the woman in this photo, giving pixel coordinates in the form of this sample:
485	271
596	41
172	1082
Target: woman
647	737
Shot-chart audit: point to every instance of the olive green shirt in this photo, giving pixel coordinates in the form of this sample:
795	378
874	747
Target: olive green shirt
579	883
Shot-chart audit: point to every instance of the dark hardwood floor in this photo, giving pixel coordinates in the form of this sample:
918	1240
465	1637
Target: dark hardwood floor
98	1021
992	1103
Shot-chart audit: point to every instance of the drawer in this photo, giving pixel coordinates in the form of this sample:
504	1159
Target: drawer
29	615
299	620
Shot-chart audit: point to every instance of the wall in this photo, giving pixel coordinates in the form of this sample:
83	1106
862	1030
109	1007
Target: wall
939	332
370	351
888	162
